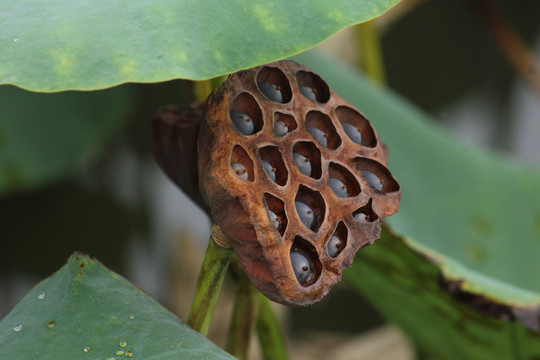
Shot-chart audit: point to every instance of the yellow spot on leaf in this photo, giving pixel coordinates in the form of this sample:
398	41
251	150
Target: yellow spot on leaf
337	16
265	17
128	68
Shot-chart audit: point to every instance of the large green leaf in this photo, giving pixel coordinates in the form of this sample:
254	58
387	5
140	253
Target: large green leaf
45	136
472	216
92	44
85	311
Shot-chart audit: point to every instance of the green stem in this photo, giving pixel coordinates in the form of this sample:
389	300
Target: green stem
371	58
244	317
271	338
213	270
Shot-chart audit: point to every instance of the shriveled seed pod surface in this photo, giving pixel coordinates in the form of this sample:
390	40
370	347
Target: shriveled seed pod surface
295	176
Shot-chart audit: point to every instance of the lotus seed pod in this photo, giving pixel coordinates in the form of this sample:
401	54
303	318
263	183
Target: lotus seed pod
304	179
353	133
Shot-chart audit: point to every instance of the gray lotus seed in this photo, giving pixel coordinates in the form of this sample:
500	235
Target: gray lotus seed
338	187
274	219
306	214
242	122
308	92
271	91
302	163
372	179
334	246
301	267
240	170
318	134
280	128
270	170
353	133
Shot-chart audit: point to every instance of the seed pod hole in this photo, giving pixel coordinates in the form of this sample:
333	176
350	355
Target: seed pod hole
342	181
273	83
276	213
274	165
307	158
337	241
310	208
365	213
305	262
283	124
322	129
241	163
356	126
246	114
376	175
312	86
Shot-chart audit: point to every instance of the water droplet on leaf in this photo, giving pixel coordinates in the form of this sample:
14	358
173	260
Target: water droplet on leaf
17	327
50	324
41	296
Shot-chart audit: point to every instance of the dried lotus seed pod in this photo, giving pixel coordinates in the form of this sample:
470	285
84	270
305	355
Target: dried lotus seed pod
295	176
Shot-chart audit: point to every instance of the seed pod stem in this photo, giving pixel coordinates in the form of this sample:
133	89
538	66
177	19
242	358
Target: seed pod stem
213	270
271	338
244	317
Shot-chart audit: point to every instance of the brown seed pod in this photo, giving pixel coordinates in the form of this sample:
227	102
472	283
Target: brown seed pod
295	176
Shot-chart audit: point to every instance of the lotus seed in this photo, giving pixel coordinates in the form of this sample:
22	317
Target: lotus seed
240	170
280	128
308	92
301	268
373	180
305	213
270	170
353	133
318	134
271	91
302	163
361	217
334	246
338	187
242	122
274	219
